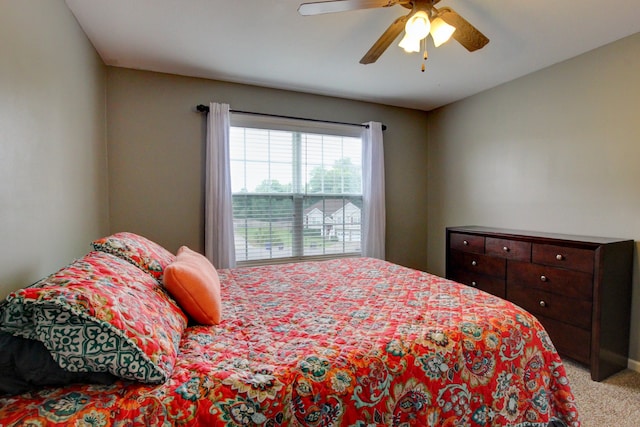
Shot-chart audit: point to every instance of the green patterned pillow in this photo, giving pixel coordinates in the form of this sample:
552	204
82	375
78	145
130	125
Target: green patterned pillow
100	314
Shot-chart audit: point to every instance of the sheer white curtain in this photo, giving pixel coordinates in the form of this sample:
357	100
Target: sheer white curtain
374	220
218	242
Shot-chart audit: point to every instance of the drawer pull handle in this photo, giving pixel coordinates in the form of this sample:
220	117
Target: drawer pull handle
543	278
474	284
474	263
559	257
543	304
506	249
465	242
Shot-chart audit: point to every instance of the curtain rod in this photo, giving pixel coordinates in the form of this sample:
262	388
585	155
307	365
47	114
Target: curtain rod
201	108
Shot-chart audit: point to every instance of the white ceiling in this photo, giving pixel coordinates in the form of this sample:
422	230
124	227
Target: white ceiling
267	43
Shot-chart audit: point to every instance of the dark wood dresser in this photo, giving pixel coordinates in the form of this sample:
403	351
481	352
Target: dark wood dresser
578	287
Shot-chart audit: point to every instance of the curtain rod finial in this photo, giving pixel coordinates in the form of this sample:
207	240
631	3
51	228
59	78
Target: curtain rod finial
202	108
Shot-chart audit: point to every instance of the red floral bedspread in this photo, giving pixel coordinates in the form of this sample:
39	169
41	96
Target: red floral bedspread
352	342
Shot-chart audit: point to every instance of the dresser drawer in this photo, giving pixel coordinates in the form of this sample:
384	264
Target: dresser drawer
493	285
478	264
557	307
467	242
562	256
509	249
569	340
573	284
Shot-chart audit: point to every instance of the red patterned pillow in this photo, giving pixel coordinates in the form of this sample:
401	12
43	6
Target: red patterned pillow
100	314
138	250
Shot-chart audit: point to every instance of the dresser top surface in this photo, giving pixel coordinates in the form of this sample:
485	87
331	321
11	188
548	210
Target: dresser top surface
508	233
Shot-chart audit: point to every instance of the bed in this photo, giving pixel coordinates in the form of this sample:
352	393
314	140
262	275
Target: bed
348	342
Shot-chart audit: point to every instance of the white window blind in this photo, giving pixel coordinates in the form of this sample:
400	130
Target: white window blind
296	193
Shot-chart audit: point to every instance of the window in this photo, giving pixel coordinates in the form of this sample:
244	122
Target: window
297	189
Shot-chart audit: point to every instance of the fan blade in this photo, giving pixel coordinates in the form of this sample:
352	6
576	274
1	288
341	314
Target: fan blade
320	7
466	34
385	40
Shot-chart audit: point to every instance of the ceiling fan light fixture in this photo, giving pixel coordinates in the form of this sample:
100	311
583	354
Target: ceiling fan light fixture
418	25
440	31
410	44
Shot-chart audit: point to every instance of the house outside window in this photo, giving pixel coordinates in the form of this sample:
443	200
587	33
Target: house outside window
297	189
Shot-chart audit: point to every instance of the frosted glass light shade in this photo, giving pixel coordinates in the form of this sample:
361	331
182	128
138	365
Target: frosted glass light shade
410	44
441	31
418	25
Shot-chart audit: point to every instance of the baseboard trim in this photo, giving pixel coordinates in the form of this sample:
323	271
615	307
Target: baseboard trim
634	365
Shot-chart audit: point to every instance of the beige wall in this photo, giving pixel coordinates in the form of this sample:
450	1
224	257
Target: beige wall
156	155
557	151
53	194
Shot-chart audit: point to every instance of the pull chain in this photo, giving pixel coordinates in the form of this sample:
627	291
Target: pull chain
424	55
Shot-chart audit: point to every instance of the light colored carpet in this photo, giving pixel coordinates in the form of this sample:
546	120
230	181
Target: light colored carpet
612	402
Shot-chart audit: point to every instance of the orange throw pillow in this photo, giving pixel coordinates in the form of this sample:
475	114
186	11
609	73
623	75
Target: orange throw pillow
193	281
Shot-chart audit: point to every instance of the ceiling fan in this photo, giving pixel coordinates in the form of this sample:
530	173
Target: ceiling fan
421	10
